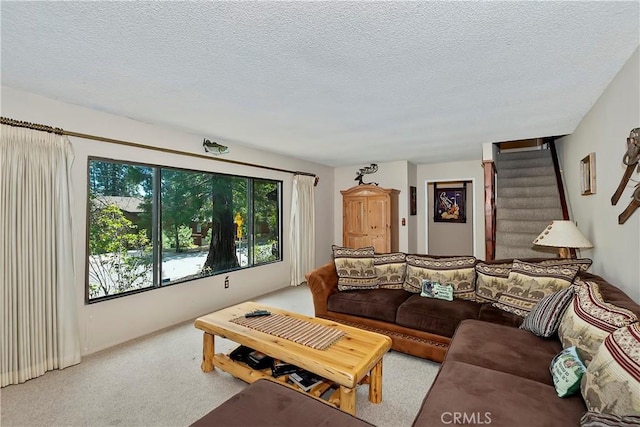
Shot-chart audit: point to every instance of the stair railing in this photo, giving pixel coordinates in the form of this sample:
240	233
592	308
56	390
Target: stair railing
489	209
559	182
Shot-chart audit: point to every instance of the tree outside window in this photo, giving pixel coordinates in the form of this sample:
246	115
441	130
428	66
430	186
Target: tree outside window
189	225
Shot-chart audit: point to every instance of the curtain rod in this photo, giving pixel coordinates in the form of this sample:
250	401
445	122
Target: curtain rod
59	131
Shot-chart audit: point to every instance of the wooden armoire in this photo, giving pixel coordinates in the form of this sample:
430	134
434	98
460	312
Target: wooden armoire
370	218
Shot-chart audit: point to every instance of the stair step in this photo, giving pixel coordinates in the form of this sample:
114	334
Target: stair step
508	251
519	155
539	191
526	181
501	165
516	239
539	214
537	171
515	225
527	202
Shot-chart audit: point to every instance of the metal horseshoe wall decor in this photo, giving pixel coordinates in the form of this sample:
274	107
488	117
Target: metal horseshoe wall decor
632	159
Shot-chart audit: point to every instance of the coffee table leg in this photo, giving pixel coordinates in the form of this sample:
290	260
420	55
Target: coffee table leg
348	400
208	351
375	383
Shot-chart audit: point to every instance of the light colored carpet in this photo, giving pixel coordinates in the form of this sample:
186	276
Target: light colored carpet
156	381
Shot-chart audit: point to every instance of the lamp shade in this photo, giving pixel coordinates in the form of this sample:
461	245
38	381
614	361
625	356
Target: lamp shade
562	234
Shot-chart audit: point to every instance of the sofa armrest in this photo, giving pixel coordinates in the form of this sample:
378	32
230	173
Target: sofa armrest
323	281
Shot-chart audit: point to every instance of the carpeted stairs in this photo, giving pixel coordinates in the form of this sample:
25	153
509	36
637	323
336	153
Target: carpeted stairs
527	200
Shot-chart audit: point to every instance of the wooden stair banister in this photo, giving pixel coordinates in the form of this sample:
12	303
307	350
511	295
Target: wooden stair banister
489	209
563	199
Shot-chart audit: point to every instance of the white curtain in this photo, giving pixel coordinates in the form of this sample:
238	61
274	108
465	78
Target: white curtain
39	315
302	239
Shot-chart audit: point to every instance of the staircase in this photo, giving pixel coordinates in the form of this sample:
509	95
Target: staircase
527	200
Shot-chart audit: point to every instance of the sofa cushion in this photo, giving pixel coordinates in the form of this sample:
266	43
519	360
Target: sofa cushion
380	304
529	283
355	268
545	317
503	348
458	271
491	280
435	316
492	276
567	370
588	320
390	269
494	398
489	313
612	381
583	264
267	403
595	419
611	294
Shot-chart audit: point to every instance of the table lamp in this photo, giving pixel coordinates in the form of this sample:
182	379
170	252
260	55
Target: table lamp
562	235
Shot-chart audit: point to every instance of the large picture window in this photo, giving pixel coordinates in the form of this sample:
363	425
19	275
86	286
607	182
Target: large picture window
152	226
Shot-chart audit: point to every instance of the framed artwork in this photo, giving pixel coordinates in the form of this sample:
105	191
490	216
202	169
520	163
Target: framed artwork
450	204
588	171
413	201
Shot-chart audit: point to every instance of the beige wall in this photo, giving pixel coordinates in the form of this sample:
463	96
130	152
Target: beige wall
111	322
455	171
449	238
616	252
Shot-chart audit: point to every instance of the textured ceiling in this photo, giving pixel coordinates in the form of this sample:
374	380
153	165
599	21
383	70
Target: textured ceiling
338	83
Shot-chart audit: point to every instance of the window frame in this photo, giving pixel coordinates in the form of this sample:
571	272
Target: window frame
156	226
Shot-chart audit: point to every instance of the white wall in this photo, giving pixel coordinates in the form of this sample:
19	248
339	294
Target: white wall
604	130
449	238
455	171
111	322
389	175
412	222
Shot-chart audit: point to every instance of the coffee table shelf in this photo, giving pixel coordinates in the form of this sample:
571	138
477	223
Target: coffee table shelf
355	359
248	374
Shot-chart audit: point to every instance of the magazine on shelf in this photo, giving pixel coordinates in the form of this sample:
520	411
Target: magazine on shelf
305	380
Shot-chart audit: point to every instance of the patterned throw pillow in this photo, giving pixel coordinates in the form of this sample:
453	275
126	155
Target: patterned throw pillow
457	271
529	283
355	268
612	381
582	263
491	280
588	320
436	290
545	317
595	419
390	269
567	370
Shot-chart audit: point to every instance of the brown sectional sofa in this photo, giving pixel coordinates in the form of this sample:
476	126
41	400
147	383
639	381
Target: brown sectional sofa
418	326
493	373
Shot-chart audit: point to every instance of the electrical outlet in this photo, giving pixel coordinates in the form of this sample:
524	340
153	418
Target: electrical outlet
226	282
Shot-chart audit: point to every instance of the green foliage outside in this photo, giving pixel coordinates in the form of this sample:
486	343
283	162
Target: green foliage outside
206	239
120	254
121	250
184	239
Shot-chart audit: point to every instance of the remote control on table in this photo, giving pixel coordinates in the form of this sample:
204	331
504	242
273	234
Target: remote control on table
257	313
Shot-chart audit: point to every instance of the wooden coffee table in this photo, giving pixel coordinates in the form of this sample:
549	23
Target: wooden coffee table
355	358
